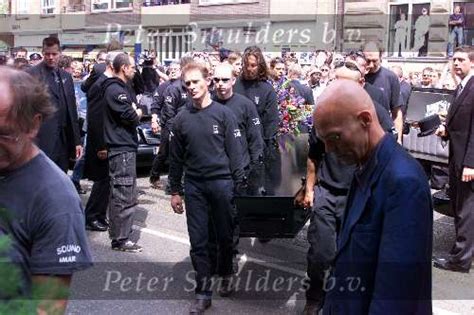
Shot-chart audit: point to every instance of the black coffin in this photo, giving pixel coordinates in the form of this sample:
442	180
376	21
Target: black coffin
270	217
273	214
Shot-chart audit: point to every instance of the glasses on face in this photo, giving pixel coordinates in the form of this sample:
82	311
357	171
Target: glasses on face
325	70
224	80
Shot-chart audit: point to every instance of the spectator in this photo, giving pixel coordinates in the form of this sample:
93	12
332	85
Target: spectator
35	58
294	75
235	59
21	64
456	29
21	53
405	89
427	78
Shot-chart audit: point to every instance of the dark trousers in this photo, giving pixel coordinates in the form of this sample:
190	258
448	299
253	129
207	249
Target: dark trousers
159	163
96	207
325	224
209	207
462	203
123	194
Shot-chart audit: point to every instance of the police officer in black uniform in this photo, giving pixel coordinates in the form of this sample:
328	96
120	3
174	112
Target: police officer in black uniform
175	98
120	135
205	142
253	84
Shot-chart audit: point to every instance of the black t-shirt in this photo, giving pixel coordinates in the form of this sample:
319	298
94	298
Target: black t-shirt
206	143
46	217
386	81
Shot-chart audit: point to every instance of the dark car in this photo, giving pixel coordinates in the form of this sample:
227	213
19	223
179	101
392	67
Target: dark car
148	142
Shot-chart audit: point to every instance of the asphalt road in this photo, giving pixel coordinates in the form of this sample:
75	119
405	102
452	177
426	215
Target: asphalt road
157	280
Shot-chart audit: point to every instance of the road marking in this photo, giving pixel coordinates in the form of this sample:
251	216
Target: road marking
440	311
257	259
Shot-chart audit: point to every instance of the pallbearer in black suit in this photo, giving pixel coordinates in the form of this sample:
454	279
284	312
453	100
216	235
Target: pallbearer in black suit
459	130
59	136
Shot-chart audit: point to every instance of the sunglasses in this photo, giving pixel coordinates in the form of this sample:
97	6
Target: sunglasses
325	70
348	65
356	53
224	80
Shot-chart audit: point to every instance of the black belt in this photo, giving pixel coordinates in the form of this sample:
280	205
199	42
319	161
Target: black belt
334	190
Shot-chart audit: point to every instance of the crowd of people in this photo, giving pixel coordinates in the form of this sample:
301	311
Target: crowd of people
220	115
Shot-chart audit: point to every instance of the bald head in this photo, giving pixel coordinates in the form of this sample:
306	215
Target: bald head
346	121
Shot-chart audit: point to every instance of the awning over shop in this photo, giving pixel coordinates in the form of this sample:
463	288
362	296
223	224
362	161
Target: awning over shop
76	53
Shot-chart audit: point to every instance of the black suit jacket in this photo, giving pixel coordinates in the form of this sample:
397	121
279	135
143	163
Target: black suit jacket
48	138
460	127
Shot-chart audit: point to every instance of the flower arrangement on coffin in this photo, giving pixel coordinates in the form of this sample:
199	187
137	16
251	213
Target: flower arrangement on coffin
294	114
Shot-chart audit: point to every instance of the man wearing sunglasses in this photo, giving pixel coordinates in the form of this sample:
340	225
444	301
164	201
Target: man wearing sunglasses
206	144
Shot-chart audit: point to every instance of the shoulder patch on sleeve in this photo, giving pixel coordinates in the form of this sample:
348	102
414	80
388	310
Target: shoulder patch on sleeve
169	99
122	97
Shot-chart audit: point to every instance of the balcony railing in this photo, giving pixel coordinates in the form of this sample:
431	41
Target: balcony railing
74	8
152	3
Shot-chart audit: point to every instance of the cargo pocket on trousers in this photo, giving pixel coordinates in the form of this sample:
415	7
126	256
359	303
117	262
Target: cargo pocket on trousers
124	190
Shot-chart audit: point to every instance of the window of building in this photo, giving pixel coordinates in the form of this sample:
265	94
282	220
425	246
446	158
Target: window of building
111	5
409	29
47	6
22	7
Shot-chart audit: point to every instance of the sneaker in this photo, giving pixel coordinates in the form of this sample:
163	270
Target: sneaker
126	246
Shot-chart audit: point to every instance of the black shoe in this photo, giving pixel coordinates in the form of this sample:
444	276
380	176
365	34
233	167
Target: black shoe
199	306
446	264
79	189
225	287
96	225
126	246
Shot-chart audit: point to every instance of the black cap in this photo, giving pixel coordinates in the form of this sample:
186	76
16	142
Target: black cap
35	56
428	125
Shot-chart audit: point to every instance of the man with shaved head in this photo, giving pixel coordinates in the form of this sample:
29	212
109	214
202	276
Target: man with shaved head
385	241
329	191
